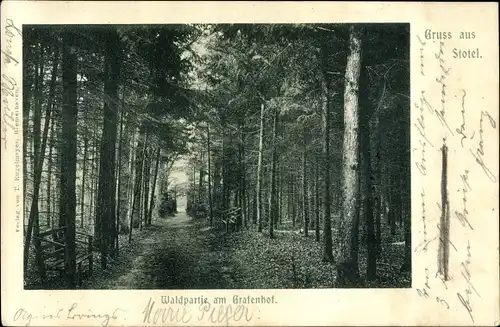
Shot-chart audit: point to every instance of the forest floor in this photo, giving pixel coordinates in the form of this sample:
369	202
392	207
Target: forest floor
180	252
183	253
173	253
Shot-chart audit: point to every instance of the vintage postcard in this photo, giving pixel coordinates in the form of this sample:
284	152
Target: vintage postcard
249	163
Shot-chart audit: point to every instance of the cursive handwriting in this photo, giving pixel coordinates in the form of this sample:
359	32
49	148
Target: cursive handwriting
224	313
424	244
422	44
466	274
435	100
424	291
423	103
9	91
205	313
72	313
164	314
421	166
462	215
9	84
461	130
11	32
480	148
441	81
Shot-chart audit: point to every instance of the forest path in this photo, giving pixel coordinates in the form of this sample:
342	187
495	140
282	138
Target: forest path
173	253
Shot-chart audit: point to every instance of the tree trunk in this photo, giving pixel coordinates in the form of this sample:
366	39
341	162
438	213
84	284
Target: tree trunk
37	113
392	209
316	196
327	222
376	171
136	200
247	203
106	201
378	229
200	180
242	178
400	207
274	203
311	200
305	210
92	180
38	156
259	170
365	137
68	153
133	183
240	193
407	199
268	197
280	197
147	177
119	169
145	186
347	263
254	208
126	174
49	176
192	200
287	197
153	186
407	235
84	169
209	154
96	185
27	85
293	202
140	200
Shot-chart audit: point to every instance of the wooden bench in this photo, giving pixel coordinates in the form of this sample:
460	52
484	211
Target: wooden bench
229	217
53	252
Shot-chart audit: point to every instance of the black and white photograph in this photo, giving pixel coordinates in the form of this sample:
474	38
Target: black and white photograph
216	156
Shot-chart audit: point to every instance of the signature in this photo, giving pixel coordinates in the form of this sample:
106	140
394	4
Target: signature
72	313
206	312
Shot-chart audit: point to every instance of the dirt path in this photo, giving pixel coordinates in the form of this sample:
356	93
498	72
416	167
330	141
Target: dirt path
174	253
